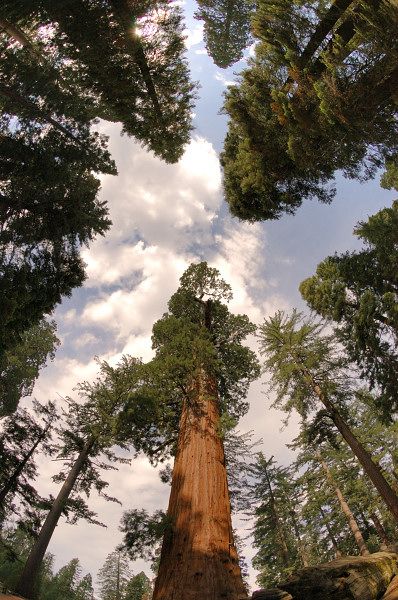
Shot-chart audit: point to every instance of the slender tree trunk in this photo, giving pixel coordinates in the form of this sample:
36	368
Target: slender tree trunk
371	469
24	103
346	510
13	480
118	577
337	552
32	566
284	551
198	559
17	34
381	532
123	13
301	547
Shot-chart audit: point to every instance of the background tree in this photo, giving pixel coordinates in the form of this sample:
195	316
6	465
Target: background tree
277	534
19	367
88	437
140	45
114	576
359	291
299	112
308	369
22	435
138	588
227	29
68	583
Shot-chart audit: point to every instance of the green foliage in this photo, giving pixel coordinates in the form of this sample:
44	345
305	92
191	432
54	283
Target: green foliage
23	433
226	29
143	533
319	96
68	583
114	576
276	530
200	333
138	588
19	367
358	290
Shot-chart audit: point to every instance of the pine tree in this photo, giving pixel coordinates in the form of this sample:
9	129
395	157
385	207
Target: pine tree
22	435
114	576
358	290
87	438
19	367
138	588
308	370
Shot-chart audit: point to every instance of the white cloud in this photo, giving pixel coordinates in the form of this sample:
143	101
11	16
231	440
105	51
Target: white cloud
194	36
222	79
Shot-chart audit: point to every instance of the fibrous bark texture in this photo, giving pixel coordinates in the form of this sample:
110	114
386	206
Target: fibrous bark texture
199	560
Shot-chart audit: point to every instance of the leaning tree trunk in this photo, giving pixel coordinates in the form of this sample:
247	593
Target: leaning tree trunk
346	510
27	581
381	532
199	559
12	481
336	549
371	469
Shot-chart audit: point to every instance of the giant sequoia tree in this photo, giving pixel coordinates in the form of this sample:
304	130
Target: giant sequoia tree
320	95
200	355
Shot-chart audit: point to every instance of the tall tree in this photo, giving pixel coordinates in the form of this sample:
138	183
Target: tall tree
227	30
19	367
304	98
359	291
22	435
140	45
68	583
114	576
199	353
277	532
308	370
138	588
88	436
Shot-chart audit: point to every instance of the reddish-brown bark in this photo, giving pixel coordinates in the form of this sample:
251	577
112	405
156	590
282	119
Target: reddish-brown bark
199	559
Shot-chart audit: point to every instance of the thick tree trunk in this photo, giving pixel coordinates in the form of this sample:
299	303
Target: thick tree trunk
26	584
198	559
323	28
371	469
11	483
346	510
381	532
337	552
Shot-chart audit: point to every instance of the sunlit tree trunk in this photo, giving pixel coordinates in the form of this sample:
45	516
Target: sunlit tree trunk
346	510
199	560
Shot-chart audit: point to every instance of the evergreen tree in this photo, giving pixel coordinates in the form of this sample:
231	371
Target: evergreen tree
68	583
114	576
358	290
226	29
19	367
138	588
138	45
319	96
308	370
87	438
277	529
205	370
22	435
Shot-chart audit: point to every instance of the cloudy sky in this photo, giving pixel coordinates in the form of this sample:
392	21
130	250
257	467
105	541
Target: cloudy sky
164	217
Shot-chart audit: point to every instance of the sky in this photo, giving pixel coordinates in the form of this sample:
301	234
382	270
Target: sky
165	217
